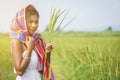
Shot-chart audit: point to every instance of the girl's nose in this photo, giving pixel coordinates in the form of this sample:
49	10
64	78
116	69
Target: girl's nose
33	24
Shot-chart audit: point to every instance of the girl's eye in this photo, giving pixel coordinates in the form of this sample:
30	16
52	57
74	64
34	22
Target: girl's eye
30	21
36	22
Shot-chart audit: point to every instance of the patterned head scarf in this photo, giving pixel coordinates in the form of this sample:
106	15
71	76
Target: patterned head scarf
19	31
18	25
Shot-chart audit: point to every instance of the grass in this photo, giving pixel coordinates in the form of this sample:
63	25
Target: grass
76	56
6	69
87	58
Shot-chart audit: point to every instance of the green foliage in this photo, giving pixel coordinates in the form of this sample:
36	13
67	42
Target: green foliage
74	57
6	68
109	28
55	16
86	57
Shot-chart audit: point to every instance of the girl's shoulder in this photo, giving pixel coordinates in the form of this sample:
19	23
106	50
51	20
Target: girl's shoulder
16	43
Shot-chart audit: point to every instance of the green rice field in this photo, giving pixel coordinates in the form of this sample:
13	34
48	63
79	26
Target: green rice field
76	56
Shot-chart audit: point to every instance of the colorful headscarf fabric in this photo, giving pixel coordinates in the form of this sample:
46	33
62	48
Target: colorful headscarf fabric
18	30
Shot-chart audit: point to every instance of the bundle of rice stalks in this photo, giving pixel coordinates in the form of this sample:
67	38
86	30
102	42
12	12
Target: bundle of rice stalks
57	17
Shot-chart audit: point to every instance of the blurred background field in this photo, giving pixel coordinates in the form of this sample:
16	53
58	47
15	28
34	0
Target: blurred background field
76	56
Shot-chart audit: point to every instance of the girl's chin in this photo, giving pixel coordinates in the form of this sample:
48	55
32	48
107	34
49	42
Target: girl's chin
31	34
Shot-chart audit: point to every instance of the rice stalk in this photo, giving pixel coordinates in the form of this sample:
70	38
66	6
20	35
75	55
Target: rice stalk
116	69
55	14
56	18
58	28
68	23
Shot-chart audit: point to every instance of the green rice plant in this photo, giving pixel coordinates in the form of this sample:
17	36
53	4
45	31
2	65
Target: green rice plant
6	68
86	58
57	16
74	57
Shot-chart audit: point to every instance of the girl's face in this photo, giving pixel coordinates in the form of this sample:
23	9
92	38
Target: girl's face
32	24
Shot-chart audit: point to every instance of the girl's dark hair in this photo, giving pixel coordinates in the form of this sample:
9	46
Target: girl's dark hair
30	10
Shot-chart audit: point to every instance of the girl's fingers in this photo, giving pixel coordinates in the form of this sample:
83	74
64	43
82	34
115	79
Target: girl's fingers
51	46
27	38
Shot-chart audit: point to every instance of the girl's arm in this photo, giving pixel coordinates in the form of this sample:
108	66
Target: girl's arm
20	63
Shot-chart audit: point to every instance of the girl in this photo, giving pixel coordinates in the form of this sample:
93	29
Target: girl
30	53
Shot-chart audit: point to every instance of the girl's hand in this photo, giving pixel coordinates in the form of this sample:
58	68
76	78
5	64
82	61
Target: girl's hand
49	47
29	42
